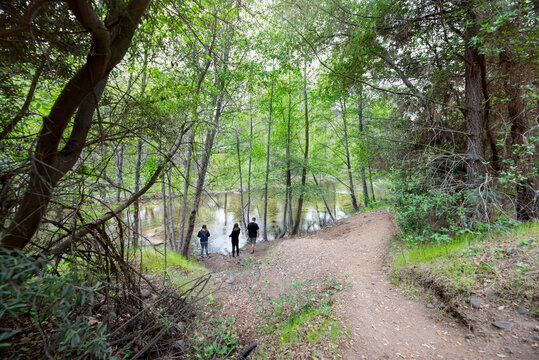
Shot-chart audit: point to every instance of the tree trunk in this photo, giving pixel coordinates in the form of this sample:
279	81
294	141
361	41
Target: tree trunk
473	107
24	109
186	192
305	157
526	196
370	180
241	181
250	159
173	238
208	146
348	162
288	171
165	208
136	209
120	172
81	95
360	119
265	233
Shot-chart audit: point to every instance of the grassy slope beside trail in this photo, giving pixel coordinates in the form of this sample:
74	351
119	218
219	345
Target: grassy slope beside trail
501	267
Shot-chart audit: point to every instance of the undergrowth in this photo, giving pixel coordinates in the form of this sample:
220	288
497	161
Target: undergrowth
302	315
502	263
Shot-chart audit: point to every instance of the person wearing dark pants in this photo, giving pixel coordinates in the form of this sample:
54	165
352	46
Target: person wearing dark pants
235	237
252	233
204	234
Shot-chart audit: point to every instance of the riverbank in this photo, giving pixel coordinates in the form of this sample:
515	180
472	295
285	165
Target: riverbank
326	295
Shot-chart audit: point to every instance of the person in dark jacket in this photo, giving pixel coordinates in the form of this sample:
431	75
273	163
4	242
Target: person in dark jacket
252	233
204	234
235	237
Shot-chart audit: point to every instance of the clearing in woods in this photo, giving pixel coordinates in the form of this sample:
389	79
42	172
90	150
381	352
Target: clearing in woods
383	323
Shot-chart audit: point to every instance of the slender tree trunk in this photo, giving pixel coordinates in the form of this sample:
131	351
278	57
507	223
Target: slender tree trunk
173	237
208	146
526	196
185	194
136	210
306	155
323	198
360	119
250	159
24	109
288	170
370	180
165	207
265	233
241	181
120	172
348	163
473	107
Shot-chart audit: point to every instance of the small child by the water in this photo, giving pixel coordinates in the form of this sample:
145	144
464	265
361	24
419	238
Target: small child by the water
204	234
235	237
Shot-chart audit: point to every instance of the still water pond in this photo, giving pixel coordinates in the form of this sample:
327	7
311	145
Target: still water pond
219	211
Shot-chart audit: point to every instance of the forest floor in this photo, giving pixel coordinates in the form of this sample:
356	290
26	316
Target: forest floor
377	320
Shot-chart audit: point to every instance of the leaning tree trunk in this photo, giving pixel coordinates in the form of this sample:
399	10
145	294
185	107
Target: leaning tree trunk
348	162
524	160
323	198
265	233
81	96
305	157
208	146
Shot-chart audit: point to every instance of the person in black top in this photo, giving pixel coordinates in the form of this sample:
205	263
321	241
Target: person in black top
235	237
252	233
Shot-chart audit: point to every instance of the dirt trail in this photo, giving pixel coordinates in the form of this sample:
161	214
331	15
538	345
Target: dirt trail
384	323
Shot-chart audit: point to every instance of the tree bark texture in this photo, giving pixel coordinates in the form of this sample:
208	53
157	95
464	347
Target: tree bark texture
473	108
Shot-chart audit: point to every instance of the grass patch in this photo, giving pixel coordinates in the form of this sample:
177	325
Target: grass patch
174	267
503	261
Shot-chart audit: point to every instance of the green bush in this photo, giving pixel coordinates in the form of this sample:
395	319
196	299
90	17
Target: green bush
32	290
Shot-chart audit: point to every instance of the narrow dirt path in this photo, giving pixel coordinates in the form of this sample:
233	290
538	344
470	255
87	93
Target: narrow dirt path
384	323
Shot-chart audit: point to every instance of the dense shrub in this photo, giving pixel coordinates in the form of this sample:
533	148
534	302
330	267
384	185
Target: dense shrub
54	306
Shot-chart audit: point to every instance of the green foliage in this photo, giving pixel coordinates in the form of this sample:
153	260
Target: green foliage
31	289
427	215
216	339
303	315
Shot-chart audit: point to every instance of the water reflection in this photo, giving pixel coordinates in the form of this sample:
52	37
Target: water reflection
219	211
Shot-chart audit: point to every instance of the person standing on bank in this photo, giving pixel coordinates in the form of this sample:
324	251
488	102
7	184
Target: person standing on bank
235	237
252	233
204	234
